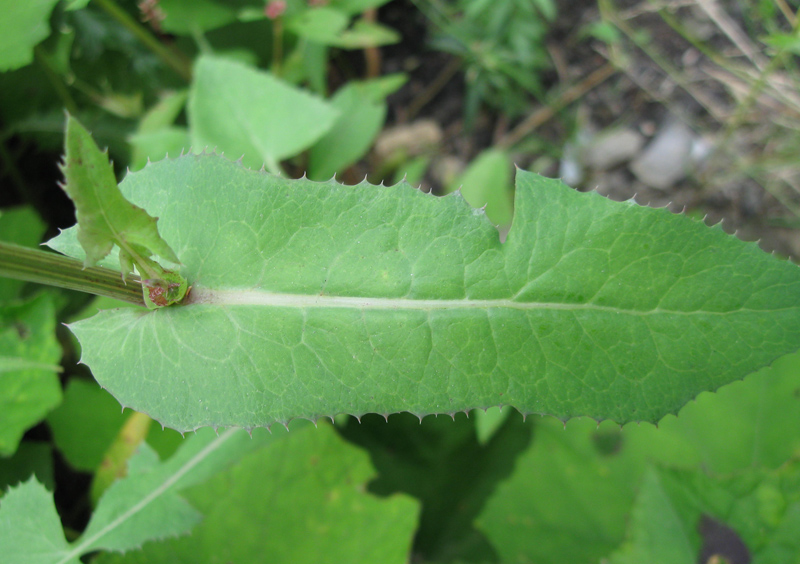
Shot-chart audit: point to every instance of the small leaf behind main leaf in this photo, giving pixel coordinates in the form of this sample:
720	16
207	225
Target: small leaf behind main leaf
105	217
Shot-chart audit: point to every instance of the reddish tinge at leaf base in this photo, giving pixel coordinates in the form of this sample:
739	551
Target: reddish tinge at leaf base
106	218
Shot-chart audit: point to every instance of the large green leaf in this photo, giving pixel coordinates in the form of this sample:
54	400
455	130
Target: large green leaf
83	435
33	458
568	499
664	531
760	417
30	527
689	516
441	463
312	299
303	500
251	114
29	356
23	25
143	506
22	226
580	481
363	110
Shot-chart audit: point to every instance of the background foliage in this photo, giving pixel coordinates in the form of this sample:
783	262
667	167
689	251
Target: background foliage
294	87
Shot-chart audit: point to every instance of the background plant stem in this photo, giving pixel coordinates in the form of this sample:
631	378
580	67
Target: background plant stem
174	60
51	269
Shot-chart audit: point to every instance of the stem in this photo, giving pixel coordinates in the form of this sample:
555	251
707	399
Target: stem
55	79
277	46
172	59
42	267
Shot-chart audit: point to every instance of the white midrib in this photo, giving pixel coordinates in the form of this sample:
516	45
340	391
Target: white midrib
204	296
87	544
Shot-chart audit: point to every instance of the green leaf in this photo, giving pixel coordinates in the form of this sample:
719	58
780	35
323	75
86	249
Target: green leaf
487	422
565	487
106	218
29	355
21	226
303	500
156	145
30	529
22	27
141	507
365	34
164	113
566	502
328	26
70	5
361	117
690	516
156	137
356	6
762	413
441	463
487	182
320	25
191	17
83	435
663	531
244	112
33	458
312	299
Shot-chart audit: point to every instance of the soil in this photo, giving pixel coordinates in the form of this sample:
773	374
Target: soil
641	94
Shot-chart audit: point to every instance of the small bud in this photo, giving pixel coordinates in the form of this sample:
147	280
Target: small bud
275	9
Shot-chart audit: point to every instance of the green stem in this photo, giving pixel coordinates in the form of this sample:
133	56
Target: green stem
43	267
55	79
174	60
277	46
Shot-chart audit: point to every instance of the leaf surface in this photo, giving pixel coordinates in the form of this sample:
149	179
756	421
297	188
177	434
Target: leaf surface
487	182
30	528
252	114
689	516
303	500
143	506
565	501
105	217
21	226
23	25
29	357
362	108
583	482
84	435
312	299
